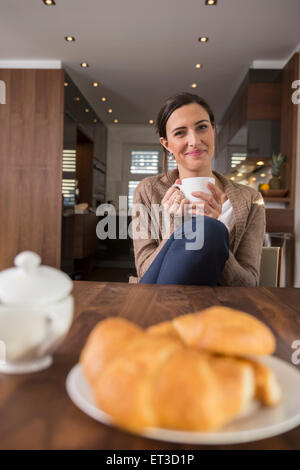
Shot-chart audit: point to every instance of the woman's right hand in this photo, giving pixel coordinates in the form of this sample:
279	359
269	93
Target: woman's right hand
174	201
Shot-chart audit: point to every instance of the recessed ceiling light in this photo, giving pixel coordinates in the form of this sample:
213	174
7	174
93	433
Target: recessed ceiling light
110	110
116	121
151	121
77	98
203	39
49	2
95	84
194	85
211	2
103	99
84	65
260	163
95	120
66	84
87	110
69	38
198	66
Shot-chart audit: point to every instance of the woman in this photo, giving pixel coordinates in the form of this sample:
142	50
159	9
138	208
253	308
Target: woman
234	214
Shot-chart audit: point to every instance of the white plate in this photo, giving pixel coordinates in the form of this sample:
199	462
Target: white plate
262	422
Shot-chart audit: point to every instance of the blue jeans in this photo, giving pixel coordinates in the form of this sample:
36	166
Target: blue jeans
202	266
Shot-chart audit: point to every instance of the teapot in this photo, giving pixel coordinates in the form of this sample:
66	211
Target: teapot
36	312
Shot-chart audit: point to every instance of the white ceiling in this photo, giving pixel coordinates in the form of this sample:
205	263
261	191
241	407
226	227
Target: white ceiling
142	51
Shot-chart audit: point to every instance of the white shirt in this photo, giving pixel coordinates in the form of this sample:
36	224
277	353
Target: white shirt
227	216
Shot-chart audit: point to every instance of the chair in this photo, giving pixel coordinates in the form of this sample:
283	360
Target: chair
270	267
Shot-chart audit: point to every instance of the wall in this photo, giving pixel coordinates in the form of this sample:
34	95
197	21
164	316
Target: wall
31	140
117	136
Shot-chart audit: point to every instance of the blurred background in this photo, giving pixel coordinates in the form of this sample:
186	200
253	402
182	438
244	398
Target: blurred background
83	82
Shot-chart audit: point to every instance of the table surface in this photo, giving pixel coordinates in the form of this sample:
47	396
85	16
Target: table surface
35	410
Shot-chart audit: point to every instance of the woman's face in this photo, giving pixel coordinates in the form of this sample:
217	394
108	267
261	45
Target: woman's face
190	137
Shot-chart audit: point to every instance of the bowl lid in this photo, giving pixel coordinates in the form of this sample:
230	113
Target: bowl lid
30	283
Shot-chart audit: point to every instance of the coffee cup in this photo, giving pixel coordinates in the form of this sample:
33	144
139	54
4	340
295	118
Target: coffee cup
197	183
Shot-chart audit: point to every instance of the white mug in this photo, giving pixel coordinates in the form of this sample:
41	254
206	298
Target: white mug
197	183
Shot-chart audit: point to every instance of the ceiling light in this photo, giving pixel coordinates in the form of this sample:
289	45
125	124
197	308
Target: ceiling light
95	120
110	110
116	121
77	98
95	84
66	84
203	39
253	179
69	38
232	178
194	85
151	121
103	99
49	2
211	2
198	66
87	110
84	65
260	163
263	175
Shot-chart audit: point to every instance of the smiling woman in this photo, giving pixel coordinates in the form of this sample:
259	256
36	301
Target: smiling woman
229	216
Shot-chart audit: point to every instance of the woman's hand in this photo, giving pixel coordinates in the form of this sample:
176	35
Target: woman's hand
210	204
174	201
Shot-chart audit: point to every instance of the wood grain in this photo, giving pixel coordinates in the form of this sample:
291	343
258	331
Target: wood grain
31	139
35	410
264	101
84	238
280	220
289	123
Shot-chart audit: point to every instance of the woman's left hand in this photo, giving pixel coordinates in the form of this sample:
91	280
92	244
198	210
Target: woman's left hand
212	202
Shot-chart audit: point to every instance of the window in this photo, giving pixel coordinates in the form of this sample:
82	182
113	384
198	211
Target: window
131	188
141	161
145	162
237	158
69	174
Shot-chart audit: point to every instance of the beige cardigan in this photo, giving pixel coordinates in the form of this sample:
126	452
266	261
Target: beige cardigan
246	238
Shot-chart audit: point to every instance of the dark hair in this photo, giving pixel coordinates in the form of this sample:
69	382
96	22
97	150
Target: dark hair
173	103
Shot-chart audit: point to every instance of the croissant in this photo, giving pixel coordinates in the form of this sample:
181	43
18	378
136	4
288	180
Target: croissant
221	330
186	374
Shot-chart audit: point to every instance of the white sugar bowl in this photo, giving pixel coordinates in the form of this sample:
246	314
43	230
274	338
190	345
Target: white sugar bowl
36	312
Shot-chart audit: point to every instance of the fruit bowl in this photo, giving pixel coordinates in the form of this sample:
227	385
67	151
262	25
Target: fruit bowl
274	192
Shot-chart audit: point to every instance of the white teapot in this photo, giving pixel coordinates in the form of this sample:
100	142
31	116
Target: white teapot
36	312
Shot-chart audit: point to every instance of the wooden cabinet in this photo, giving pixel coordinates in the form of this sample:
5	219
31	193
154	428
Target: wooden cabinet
79	242
263	110
85	241
31	143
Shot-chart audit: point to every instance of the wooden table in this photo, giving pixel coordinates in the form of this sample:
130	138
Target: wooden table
35	410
